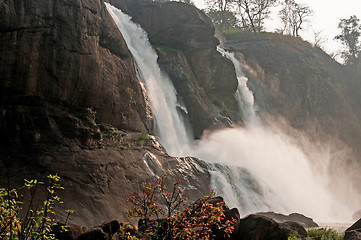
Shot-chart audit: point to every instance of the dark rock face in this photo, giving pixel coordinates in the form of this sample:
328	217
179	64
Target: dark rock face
67	55
184	39
353	232
352	235
257	227
293	217
67	85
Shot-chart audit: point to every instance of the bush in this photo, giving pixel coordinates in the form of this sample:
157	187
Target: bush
37	221
198	221
323	234
318	234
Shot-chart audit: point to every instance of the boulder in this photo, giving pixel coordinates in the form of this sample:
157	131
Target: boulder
258	227
104	231
72	231
352	235
295	226
293	217
353	232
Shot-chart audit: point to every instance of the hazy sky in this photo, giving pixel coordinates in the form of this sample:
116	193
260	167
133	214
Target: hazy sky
326	16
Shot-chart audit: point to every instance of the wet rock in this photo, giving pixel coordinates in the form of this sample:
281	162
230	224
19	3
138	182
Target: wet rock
184	39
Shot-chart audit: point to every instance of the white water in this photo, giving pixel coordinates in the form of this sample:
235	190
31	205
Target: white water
253	168
243	95
171	129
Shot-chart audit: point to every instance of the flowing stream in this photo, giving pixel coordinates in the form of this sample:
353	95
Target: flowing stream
254	168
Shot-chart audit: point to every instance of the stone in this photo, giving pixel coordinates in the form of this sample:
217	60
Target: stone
293	217
72	231
258	227
299	228
352	235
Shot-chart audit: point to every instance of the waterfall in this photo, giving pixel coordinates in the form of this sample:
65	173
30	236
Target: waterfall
170	128
254	168
243	95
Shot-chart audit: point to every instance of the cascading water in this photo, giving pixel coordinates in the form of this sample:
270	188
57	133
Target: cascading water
171	129
243	95
253	168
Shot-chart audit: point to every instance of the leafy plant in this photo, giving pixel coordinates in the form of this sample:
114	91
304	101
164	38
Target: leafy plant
323	234
141	139
317	234
198	221
37	221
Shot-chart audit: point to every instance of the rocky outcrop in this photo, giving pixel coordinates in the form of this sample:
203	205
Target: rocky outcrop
256	227
98	177
70	103
353	232
65	55
293	217
184	38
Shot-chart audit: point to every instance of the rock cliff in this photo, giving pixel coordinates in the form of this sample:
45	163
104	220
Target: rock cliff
304	85
184	38
71	104
66	55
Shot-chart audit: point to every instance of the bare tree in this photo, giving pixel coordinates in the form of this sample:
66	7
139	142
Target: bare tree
254	12
318	39
293	16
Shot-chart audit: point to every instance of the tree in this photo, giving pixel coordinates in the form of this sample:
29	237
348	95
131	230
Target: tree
293	16
350	37
218	11
254	12
223	20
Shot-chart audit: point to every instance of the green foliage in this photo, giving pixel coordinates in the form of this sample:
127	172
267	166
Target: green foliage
90	115
197	221
37	221
127	232
318	234
114	135
350	38
294	236
323	234
141	139
223	20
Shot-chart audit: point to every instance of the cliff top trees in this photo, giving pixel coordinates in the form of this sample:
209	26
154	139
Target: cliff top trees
254	12
350	37
293	15
219	12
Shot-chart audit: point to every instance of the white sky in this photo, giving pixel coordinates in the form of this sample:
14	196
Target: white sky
326	16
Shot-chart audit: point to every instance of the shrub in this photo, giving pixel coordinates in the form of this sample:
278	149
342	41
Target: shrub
323	234
37	221
198	221
318	234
